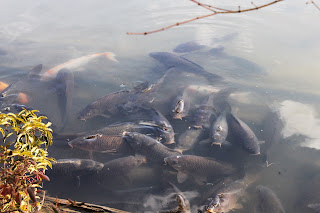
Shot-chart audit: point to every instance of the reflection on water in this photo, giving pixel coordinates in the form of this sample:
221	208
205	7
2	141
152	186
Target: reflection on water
267	56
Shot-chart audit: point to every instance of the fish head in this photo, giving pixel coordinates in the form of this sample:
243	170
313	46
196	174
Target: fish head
84	143
133	138
174	161
179	106
140	159
91	165
213	204
166	134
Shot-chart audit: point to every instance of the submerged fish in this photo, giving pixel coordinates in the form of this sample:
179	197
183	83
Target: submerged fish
315	206
74	168
202	115
181	64
121	166
150	129
196	45
145	145
219	130
144	94
244	136
226	198
213	203
189	139
153	117
181	105
19	89
101	143
75	63
183	202
268	202
65	86
188	47
105	106
198	167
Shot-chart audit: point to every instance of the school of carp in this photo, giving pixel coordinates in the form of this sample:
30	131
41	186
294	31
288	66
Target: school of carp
206	167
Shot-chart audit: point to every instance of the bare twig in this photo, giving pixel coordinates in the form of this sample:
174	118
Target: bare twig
214	10
314	4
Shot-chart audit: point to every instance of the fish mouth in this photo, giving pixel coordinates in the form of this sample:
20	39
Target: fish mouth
70	144
165	162
170	142
256	153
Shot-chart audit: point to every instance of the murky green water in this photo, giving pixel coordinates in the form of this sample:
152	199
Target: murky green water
281	40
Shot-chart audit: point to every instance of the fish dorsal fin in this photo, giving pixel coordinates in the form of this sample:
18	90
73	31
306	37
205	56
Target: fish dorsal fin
200	67
35	71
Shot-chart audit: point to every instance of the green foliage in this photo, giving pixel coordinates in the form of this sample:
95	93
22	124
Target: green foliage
23	159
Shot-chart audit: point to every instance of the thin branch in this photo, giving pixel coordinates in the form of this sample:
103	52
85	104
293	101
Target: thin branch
215	11
314	4
203	5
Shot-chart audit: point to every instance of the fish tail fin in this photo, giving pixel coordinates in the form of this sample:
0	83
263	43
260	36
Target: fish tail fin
111	56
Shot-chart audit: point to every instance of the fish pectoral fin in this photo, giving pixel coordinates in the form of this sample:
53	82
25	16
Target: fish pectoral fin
178	150
77	181
205	142
111	151
200	180
238	206
181	177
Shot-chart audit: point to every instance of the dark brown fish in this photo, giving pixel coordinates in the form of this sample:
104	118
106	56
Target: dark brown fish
181	64
160	133
65	86
74	167
145	95
198	167
121	166
243	134
149	147
105	106
203	114
22	87
101	143
268	202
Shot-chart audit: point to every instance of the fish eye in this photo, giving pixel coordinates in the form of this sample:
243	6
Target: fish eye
91	137
165	129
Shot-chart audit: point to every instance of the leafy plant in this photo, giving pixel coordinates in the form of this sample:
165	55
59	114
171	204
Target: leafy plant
23	159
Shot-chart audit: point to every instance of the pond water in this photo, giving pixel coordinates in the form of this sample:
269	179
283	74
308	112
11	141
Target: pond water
270	56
